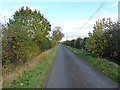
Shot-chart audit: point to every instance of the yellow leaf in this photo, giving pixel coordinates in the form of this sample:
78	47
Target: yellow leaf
21	84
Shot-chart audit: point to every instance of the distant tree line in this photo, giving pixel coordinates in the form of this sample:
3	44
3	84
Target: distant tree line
25	36
103	42
76	43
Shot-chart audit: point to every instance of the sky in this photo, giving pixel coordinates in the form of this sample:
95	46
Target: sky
70	16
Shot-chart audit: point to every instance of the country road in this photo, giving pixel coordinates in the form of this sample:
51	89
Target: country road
69	71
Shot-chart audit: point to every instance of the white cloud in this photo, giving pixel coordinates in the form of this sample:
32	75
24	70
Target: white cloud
9	12
105	12
115	4
113	17
72	28
2	19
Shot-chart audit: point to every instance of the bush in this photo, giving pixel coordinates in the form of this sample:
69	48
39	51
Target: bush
78	43
112	49
46	44
53	43
83	43
16	45
104	40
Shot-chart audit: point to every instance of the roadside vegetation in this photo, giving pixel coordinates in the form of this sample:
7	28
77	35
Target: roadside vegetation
110	69
101	48
35	76
25	36
103	42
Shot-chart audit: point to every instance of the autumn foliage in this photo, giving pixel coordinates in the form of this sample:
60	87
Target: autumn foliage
25	36
103	42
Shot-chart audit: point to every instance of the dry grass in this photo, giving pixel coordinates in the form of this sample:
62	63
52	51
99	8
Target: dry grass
9	76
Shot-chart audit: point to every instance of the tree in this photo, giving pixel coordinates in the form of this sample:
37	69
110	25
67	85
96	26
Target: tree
97	41
24	36
46	44
112	49
14	43
33	22
57	35
83	43
105	40
78	43
73	43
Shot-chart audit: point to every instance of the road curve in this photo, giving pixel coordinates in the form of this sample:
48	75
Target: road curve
69	71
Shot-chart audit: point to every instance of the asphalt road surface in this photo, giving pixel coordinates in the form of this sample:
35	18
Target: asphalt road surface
69	71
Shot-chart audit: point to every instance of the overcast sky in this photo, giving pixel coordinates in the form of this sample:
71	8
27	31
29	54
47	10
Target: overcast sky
69	15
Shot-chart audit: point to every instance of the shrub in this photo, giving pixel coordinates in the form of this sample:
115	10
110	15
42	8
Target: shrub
112	49
16	45
46	44
78	43
104	40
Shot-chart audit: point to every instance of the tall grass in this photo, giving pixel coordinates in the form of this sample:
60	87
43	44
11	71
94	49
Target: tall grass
40	64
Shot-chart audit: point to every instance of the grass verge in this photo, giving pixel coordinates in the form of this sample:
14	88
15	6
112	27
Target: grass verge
108	68
36	75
